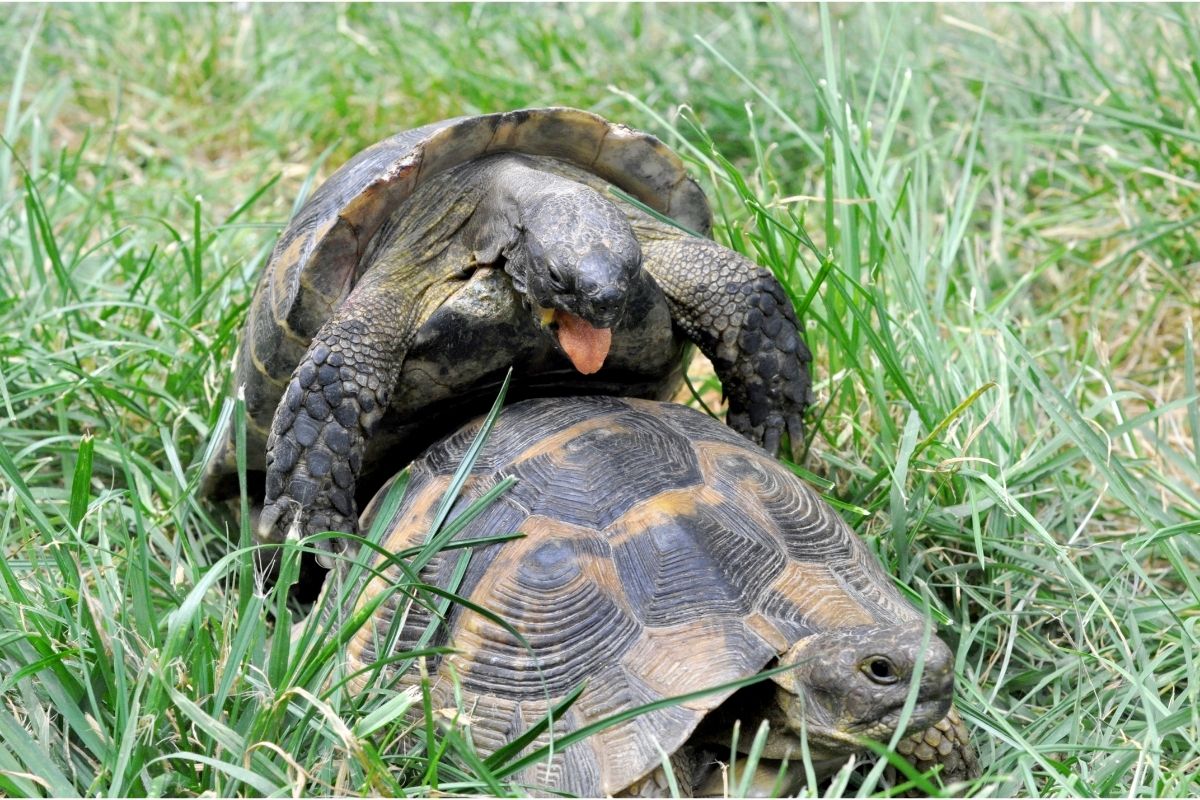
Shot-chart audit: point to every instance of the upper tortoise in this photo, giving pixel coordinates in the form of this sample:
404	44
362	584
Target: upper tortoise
662	554
431	262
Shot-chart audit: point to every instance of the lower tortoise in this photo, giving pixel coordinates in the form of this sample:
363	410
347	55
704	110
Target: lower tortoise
662	554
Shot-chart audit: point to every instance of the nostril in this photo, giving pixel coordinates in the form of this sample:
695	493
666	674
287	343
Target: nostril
607	300
609	295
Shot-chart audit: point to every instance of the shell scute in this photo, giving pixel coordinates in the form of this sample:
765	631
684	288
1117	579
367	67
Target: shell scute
692	425
808	528
747	553
661	569
592	492
575	769
730	653
612	693
557	611
566	134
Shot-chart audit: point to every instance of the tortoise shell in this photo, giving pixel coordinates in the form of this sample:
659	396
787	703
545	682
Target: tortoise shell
320	255
662	554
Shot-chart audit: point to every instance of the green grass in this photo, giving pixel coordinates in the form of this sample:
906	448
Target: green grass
988	215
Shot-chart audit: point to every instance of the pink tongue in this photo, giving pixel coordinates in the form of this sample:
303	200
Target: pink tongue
585	346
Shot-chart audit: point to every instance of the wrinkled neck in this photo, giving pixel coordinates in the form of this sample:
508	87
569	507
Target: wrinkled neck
517	181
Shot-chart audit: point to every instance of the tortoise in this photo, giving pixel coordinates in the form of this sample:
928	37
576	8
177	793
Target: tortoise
401	292
662	554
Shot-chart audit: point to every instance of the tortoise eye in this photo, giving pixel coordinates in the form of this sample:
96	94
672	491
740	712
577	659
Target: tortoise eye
556	278
880	670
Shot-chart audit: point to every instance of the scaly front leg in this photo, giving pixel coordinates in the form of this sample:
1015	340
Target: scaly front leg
333	403
740	317
314	452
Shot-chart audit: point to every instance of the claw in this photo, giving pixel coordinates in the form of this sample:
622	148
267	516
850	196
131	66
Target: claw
287	521
772	435
795	428
331	548
325	558
266	530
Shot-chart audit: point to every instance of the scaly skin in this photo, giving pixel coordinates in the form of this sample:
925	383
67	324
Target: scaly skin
332	404
832	699
696	767
740	317
947	743
834	702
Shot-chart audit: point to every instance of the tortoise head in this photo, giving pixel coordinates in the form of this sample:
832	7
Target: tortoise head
577	253
570	252
852	683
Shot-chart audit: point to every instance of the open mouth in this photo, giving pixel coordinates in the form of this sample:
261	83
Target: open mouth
586	345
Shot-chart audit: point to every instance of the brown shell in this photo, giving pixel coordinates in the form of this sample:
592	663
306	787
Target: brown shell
662	554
